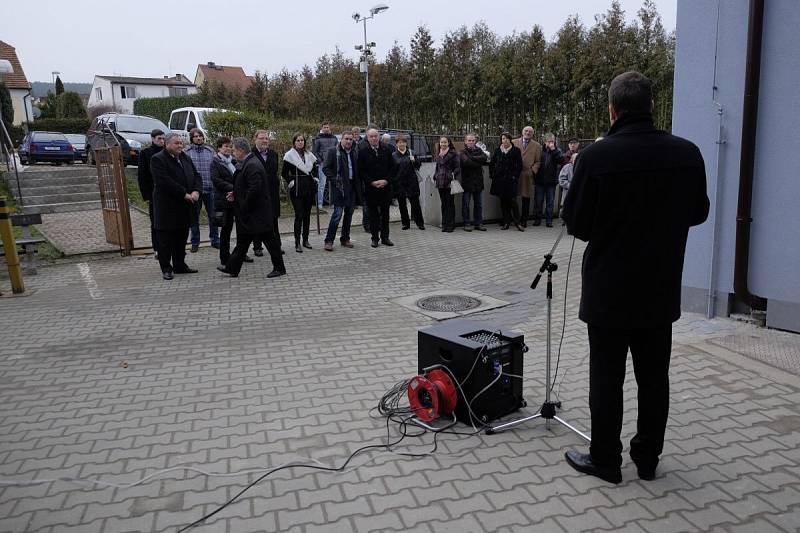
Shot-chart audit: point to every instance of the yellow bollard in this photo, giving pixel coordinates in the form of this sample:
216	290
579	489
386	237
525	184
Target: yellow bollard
12	259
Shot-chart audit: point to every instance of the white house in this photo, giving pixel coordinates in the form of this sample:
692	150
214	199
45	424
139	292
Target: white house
119	92
17	85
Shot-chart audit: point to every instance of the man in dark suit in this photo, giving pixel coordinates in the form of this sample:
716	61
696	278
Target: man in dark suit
269	159
145	179
252	206
374	164
633	197
176	188
342	171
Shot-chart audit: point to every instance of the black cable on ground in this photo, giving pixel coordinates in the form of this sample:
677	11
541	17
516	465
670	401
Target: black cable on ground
564	321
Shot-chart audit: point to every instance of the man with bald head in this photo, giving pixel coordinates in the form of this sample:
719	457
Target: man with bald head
374	163
531	159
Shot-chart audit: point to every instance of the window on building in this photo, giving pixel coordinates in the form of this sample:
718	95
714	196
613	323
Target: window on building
128	91
98	92
178	91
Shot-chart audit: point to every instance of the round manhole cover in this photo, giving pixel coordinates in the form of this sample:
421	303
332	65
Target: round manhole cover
448	303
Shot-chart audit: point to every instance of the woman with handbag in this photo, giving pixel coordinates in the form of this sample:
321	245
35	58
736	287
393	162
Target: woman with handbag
299	169
504	171
223	167
446	176
404	177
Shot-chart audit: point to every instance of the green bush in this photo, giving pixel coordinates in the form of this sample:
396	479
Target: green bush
64	125
161	108
70	105
16	133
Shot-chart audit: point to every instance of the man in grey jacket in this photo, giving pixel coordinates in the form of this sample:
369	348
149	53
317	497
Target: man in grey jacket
324	142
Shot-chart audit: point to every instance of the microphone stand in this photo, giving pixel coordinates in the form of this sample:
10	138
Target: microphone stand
548	410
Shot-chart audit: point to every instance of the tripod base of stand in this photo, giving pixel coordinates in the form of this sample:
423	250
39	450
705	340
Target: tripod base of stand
547	413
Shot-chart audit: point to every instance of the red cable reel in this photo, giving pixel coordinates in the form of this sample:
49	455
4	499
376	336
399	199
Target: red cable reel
433	395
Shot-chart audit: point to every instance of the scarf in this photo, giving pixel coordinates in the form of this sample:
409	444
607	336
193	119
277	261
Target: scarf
506	150
303	166
227	161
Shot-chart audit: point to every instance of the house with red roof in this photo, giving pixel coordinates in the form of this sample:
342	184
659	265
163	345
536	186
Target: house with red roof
17	84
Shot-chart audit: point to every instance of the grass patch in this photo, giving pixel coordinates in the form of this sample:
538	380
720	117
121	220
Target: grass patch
45	251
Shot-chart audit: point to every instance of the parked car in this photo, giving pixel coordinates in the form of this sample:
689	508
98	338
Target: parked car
131	132
49	146
78	142
183	119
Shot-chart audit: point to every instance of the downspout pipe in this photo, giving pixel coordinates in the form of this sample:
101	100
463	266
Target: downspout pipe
755	27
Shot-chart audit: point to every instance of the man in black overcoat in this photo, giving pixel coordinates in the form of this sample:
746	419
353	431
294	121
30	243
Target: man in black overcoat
269	158
145	179
252	206
633	197
374	166
176	188
341	168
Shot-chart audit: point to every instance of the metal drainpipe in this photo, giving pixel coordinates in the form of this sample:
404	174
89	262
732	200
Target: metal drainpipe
755	28
712	275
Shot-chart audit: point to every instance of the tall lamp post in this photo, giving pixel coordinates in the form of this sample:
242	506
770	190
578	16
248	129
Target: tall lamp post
366	50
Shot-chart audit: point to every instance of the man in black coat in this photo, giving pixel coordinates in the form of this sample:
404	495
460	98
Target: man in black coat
546	181
633	197
269	158
374	163
145	179
176	188
253	208
473	159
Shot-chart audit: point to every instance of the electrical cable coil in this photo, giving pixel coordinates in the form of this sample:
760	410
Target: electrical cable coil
432	396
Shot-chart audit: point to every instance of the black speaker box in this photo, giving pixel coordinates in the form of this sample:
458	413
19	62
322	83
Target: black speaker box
474	352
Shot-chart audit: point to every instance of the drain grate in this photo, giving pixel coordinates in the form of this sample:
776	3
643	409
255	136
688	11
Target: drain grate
448	303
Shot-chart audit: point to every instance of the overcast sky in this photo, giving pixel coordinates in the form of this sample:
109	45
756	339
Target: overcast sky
155	38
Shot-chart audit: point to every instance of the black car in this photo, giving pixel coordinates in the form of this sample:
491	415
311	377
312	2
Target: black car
46	146
78	142
131	132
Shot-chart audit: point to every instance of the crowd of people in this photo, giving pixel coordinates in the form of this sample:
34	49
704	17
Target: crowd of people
238	184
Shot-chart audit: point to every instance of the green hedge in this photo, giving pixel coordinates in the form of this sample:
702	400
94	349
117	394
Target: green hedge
64	125
161	108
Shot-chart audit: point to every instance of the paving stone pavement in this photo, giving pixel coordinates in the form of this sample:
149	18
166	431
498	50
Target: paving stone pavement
109	373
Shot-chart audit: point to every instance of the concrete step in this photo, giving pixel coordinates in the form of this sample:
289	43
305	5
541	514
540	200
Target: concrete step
57	172
50	188
66	182
62	207
61	198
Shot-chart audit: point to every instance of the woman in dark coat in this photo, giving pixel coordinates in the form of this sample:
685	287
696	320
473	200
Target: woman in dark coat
404	178
504	171
448	168
223	166
299	169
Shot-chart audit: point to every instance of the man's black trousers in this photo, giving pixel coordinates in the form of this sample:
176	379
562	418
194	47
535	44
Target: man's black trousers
379	216
650	351
243	241
172	248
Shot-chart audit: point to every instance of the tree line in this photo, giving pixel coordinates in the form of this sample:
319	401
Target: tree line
475	80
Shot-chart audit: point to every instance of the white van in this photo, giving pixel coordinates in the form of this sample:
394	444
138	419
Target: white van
183	119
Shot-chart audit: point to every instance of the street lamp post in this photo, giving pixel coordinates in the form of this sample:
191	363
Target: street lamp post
366	50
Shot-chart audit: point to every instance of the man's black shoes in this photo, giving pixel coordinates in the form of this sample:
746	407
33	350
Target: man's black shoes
259	252
167	276
248	259
374	243
194	248
185	270
387	242
582	462
276	273
224	270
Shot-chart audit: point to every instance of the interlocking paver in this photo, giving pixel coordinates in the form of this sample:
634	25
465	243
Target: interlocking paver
231	374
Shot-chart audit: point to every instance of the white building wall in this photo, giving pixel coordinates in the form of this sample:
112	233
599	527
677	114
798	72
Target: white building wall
112	93
20	103
105	87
